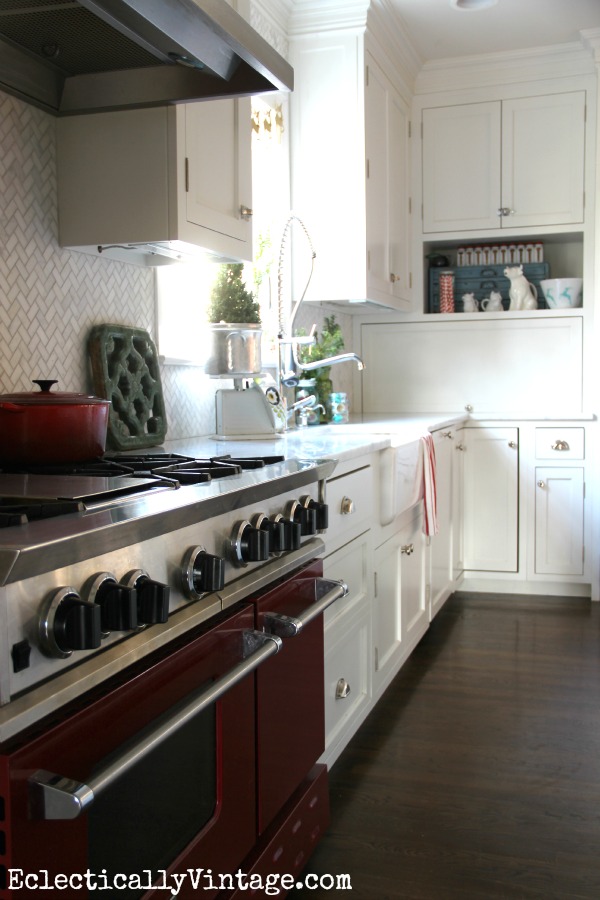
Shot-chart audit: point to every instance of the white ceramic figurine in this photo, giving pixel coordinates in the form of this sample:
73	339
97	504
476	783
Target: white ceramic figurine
523	295
470	304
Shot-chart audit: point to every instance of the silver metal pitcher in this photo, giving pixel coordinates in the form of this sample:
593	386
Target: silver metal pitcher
235	351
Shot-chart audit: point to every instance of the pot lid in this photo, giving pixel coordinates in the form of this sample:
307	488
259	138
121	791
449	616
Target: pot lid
47	397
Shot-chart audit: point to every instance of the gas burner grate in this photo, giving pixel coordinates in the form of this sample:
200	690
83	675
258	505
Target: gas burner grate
187	470
21	513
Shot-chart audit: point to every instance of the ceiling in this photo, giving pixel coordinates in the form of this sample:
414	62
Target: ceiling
438	31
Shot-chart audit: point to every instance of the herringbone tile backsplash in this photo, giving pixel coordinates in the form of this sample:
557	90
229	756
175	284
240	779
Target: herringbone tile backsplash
50	298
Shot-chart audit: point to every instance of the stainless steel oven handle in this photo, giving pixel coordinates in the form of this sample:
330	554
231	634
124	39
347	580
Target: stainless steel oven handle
289	626
56	797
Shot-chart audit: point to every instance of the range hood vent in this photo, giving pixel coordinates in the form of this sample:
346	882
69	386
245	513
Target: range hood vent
95	55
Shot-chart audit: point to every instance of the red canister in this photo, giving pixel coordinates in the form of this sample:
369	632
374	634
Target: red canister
447	291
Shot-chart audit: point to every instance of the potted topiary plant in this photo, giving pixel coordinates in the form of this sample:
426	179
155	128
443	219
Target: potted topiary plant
234	317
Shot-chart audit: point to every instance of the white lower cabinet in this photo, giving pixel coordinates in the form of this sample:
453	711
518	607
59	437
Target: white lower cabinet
525	522
559	522
446	547
348	645
491	499
400	609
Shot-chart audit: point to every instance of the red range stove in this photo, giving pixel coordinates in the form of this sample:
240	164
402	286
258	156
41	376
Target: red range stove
161	675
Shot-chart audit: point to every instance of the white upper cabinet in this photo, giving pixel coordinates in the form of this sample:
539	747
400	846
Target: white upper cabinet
504	164
155	176
350	172
219	188
387	196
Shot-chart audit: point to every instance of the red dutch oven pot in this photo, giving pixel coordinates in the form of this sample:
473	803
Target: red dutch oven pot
48	426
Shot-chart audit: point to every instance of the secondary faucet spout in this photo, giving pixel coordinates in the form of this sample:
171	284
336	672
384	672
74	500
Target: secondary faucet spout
332	361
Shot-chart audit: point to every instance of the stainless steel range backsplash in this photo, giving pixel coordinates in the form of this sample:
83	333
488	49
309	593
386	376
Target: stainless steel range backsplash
50	298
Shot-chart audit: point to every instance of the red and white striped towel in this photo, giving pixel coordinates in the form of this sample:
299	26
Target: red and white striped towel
430	522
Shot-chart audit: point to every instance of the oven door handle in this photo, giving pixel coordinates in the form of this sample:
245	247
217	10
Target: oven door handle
289	626
56	797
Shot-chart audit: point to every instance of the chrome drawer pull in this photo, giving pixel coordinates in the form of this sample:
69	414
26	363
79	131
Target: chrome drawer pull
560	445
347	506
289	626
342	689
55	797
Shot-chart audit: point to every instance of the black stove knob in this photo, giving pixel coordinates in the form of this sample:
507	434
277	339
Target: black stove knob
291	531
248	544
69	623
275	530
152	598
305	516
202	573
117	602
321	511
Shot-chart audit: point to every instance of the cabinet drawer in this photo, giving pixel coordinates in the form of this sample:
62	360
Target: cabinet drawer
351	564
347	678
560	443
350	501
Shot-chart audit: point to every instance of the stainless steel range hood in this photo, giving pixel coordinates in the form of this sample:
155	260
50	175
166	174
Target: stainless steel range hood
93	55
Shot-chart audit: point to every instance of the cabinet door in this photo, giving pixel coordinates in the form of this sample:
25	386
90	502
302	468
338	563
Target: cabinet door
559	502
400	609
219	182
458	546
387	178
491	494
461	167
414	607
441	543
387	611
543	159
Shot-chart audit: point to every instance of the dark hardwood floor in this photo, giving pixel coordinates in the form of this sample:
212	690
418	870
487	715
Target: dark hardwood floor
477	776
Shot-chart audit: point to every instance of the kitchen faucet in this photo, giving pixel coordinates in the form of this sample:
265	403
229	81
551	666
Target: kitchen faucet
289	366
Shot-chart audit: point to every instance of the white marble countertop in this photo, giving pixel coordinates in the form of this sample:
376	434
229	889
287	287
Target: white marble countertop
363	434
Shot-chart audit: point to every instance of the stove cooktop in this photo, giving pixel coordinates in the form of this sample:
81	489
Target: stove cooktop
45	532
39	492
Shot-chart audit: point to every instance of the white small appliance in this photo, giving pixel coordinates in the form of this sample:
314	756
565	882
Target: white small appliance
251	413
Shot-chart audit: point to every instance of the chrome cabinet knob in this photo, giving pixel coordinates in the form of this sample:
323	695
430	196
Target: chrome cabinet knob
541	484
505	211
342	689
347	506
407	549
513	445
461	447
245	212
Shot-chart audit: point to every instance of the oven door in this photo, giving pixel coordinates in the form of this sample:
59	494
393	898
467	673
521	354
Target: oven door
290	687
187	800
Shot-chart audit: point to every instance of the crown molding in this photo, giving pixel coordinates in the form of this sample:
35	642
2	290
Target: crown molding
392	36
591	39
270	18
310	16
536	63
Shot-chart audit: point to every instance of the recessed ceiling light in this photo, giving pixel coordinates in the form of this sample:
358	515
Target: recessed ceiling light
472	5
